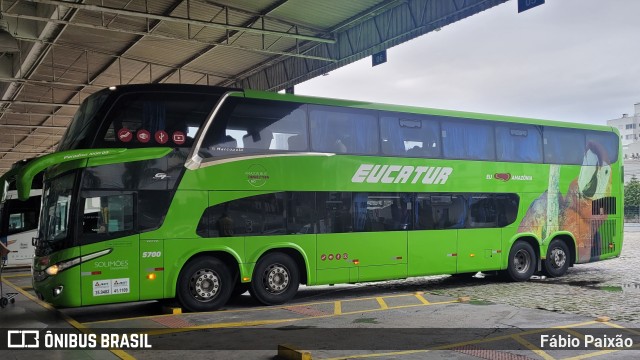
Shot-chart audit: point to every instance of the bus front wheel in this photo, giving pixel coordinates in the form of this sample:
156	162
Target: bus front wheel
557	262
205	284
522	262
275	279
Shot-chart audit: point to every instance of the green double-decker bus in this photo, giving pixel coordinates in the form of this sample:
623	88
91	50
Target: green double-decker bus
199	193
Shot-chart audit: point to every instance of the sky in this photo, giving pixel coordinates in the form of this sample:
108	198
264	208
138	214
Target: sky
566	60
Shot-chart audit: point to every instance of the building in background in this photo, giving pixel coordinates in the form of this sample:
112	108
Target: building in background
629	127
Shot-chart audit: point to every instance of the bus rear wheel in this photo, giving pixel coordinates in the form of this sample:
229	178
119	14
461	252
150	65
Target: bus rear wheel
522	262
205	284
275	279
557	262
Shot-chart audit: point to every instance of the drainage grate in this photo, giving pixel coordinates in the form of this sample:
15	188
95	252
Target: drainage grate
174	322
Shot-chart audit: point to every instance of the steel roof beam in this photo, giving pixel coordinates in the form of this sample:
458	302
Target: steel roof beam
20	126
161	36
37	103
181	20
265	12
260	14
43	82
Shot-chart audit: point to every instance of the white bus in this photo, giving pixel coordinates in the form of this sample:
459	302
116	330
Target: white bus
18	226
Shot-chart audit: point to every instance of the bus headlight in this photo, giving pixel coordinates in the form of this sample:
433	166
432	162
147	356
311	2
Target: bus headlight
61	266
52	270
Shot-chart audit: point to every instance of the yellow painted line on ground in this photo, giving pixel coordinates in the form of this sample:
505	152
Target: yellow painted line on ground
398	307
574	333
337	308
532	347
599	353
622	327
80	327
363	356
421	298
517	337
383	305
15	276
274	321
263	308
505	337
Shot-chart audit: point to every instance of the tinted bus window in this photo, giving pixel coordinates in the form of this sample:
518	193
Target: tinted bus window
255	215
250	125
301	213
343	130
472	140
563	146
519	143
334	212
382	211
483	212
409	135
156	119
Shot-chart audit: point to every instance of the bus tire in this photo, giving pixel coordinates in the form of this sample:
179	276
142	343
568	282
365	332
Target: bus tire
522	262
557	262
275	279
205	284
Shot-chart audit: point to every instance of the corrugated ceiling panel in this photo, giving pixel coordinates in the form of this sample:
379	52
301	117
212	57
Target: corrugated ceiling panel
229	61
324	14
171	52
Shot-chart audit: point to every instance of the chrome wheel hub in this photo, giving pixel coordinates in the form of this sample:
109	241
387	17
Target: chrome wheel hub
558	258
204	285
522	261
276	279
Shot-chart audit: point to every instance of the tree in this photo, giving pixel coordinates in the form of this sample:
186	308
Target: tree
632	192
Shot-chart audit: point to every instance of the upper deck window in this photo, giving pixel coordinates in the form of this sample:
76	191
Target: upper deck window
156	119
563	146
519	143
253	125
343	130
410	135
469	140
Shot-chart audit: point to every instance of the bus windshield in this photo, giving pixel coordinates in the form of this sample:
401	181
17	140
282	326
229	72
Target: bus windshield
83	122
55	210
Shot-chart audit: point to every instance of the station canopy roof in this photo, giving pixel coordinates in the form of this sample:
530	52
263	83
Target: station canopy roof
66	50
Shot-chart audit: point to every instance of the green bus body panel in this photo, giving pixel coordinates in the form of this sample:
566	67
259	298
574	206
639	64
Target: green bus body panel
114	277
152	255
432	252
479	249
386	251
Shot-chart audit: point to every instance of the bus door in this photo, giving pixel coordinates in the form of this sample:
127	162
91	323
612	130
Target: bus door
108	232
480	242
360	237
432	246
